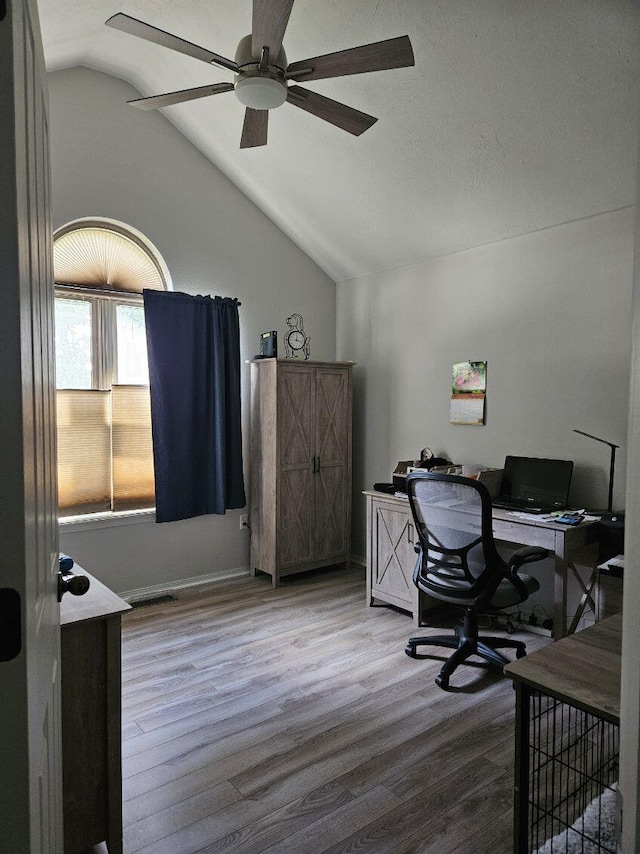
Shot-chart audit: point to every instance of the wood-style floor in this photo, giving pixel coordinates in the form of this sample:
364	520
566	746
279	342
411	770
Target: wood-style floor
291	720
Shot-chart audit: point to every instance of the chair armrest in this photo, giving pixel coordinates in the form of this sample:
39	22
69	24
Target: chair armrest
527	554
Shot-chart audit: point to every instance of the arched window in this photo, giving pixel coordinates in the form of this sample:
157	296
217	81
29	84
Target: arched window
104	429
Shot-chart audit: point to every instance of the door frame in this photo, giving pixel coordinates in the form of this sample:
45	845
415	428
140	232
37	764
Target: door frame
30	737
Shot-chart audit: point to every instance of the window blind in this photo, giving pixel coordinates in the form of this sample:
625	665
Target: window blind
133	481
105	457
84	451
96	255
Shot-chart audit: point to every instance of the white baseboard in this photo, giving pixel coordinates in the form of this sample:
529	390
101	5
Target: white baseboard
182	583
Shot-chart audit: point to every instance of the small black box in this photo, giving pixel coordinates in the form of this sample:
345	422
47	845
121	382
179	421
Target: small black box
269	345
610	536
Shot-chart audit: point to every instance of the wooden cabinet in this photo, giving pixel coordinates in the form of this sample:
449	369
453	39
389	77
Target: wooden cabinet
391	557
300	465
91	718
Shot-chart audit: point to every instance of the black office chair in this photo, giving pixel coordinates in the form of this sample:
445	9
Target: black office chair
458	563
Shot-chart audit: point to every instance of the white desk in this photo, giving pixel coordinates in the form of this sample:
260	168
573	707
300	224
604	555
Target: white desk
391	557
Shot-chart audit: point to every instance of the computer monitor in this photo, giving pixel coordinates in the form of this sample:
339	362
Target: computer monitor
536	480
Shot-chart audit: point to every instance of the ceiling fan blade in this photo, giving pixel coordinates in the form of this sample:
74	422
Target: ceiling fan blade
391	53
338	114
270	19
254	129
152	34
156	101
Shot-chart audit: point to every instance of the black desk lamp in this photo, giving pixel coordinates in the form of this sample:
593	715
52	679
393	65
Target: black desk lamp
613	463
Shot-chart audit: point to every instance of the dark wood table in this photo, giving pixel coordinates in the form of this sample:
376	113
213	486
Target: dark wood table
581	671
91	717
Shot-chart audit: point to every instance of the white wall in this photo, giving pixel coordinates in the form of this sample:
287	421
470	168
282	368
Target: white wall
550	312
630	681
111	160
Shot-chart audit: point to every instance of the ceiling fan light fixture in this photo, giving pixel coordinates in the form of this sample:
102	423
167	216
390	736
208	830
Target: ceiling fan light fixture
260	92
263	71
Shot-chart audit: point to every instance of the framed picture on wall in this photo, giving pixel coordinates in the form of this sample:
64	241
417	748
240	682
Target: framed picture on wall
468	393
469	378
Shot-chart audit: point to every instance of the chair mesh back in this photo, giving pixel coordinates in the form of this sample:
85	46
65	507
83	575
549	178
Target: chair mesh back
449	521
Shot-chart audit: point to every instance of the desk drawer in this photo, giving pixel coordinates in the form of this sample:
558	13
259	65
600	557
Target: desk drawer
527	535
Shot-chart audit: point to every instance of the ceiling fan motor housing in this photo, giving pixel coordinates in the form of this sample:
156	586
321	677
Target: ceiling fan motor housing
260	89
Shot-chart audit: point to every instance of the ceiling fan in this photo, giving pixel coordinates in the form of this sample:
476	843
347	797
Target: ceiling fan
263	73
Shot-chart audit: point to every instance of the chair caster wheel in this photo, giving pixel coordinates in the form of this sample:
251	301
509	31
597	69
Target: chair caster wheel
410	650
442	681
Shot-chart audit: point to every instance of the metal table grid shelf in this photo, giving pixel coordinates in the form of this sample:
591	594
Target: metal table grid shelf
572	772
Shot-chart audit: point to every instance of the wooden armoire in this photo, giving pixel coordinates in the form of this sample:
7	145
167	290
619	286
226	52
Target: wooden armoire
300	507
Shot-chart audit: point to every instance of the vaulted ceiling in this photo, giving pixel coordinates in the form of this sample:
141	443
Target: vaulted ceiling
518	115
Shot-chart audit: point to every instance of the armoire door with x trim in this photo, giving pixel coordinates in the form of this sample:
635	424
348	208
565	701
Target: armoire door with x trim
332	464
296	425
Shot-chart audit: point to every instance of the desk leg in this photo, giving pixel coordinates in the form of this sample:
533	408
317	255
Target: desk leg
574	550
370	550
521	782
587	598
567	560
560	598
560	589
114	735
584	559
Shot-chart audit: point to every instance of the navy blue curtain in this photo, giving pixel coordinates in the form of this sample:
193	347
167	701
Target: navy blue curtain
193	344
